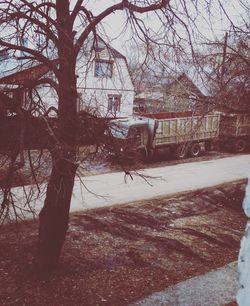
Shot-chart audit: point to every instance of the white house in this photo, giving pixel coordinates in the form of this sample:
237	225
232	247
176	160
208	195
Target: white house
103	81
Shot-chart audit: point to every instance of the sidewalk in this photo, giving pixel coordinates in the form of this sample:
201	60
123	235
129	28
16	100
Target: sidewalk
215	288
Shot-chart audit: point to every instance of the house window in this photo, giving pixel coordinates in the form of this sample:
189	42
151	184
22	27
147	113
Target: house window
103	69
114	103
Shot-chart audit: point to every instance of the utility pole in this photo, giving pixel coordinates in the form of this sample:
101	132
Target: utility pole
223	60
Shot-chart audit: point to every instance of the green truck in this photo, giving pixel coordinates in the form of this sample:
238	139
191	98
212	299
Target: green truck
182	133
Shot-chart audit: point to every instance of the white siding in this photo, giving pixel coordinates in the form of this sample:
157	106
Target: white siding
94	91
49	97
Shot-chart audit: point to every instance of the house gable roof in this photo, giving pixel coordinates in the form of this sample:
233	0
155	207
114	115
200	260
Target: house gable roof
186	83
102	45
37	71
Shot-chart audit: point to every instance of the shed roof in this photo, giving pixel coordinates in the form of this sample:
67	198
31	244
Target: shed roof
20	77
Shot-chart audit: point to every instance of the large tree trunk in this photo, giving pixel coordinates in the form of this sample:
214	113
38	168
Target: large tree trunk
54	216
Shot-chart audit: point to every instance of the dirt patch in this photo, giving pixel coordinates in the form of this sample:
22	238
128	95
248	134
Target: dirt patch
114	256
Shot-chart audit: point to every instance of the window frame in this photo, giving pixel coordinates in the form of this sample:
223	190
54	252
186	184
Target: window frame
114	108
103	75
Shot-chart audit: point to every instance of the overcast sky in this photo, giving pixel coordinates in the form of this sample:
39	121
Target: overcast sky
211	26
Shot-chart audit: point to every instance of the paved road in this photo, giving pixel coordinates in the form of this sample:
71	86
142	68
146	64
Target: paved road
112	189
109	189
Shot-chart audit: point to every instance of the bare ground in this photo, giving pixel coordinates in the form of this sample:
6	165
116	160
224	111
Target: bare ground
116	255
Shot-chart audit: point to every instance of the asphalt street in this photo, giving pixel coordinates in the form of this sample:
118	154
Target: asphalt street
115	189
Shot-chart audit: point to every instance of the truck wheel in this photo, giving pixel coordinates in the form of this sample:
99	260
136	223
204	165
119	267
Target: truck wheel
194	149
240	145
181	151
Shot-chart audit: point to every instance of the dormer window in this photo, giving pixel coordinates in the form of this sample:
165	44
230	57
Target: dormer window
103	69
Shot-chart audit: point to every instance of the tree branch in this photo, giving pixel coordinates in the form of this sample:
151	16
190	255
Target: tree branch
32	84
37	55
125	4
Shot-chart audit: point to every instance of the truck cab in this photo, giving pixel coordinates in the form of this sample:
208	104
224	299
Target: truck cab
130	137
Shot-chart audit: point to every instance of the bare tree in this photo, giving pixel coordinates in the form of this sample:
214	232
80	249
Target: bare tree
56	32
225	65
217	62
63	28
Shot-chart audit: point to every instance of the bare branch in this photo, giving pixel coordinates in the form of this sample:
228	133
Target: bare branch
37	55
125	4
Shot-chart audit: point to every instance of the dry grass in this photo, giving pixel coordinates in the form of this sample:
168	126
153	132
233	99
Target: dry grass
114	256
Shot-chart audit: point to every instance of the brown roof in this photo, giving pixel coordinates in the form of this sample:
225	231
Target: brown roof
23	76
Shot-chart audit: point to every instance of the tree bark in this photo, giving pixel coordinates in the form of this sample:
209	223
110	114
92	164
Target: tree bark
54	216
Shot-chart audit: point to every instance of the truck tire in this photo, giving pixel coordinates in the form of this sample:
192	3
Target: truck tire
240	145
181	151
194	149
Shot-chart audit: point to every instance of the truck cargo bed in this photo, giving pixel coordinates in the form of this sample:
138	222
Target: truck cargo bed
174	128
235	125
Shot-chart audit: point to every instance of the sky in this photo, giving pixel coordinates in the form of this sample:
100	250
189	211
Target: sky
210	26
114	23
